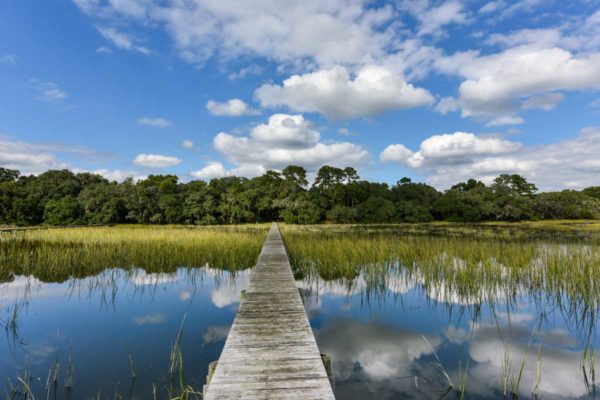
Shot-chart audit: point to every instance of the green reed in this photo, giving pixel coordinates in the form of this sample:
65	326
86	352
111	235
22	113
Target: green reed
58	254
588	368
566	230
464	269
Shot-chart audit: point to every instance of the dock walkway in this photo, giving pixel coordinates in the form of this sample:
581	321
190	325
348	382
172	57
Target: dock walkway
270	352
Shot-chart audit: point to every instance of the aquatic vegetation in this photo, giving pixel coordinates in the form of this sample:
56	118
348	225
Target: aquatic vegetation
375	291
145	257
28	384
176	359
491	276
588	369
59	368
57	254
456	269
569	230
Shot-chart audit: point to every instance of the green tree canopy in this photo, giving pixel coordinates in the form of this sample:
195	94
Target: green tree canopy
8	175
60	197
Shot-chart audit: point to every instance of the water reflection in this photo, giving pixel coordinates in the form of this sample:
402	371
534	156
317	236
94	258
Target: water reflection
142	278
397	336
215	333
150	319
225	295
371	357
391	332
27	287
112	323
559	374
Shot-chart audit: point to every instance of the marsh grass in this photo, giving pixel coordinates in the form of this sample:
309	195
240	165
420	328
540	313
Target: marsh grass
588	369
176	359
457	267
565	230
106	256
462	264
55	255
454	269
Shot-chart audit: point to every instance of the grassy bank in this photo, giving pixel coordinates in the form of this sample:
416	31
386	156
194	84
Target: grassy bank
57	254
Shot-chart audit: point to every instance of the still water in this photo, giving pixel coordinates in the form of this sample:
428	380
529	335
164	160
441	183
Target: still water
408	342
101	320
401	340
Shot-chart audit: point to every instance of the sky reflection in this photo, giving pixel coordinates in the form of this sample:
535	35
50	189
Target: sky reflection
384	340
385	343
102	320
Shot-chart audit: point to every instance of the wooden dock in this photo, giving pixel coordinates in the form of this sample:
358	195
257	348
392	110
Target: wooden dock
271	352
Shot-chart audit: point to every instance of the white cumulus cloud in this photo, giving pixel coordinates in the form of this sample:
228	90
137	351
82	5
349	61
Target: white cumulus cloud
533	69
334	93
448	149
283	140
116	174
495	83
544	102
446	105
27	157
434	17
451	158
505	120
323	32
396	152
156	161
529	68
230	108
211	171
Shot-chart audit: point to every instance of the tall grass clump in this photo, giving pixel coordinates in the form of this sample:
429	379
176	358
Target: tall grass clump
56	255
466	269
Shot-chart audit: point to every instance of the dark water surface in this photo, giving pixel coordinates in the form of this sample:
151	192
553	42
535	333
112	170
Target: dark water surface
403	340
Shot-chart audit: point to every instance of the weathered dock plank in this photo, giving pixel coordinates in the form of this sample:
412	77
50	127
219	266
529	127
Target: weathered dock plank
270	352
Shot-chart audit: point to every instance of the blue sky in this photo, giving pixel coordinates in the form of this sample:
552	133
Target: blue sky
440	91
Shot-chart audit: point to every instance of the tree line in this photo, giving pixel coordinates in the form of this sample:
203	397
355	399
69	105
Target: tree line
61	197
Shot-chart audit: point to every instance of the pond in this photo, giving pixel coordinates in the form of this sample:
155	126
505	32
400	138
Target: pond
95	324
401	316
